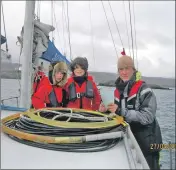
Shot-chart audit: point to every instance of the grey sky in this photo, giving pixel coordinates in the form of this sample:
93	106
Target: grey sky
154	23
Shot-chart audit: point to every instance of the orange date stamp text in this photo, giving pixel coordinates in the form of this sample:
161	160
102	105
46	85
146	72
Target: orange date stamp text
162	146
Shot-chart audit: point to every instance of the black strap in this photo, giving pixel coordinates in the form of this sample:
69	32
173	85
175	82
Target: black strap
81	106
58	104
38	81
65	100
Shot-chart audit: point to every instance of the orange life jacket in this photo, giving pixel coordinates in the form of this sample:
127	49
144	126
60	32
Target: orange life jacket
80	97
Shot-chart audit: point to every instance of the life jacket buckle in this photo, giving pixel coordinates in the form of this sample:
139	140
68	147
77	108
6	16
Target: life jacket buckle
78	95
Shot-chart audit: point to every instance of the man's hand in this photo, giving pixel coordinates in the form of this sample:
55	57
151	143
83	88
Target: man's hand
102	108
112	107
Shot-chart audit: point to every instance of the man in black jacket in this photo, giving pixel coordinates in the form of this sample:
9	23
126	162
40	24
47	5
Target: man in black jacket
136	102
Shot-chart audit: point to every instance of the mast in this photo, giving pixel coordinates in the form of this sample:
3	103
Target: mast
0	11
26	70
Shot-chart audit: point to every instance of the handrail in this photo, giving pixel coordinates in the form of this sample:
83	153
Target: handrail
2	101
13	108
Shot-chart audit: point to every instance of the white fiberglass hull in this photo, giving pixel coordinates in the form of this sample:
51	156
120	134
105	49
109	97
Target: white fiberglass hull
15	155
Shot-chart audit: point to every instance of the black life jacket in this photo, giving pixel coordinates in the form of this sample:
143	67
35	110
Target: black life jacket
146	135
57	101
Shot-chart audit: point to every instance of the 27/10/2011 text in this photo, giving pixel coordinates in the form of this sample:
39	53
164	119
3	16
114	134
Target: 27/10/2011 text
162	146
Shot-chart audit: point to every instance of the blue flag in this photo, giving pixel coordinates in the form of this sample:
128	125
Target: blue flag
52	54
3	39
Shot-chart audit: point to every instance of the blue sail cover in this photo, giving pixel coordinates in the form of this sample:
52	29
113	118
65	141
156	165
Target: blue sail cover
52	54
3	39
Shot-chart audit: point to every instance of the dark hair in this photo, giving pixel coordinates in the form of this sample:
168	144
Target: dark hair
81	62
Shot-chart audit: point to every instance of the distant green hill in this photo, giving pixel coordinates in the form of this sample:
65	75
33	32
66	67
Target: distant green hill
155	82
9	71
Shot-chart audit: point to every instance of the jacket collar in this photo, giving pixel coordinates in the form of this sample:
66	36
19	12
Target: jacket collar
120	84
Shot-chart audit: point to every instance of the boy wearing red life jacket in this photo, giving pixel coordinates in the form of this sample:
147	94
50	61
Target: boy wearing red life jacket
81	88
53	95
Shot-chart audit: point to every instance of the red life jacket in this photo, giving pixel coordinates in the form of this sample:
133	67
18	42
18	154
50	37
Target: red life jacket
48	96
39	80
131	99
80	97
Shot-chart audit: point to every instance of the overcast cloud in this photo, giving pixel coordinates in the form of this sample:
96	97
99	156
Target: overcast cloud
154	23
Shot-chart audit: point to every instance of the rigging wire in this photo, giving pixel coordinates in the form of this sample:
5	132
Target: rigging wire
66	25
131	30
109	29
63	25
135	36
59	37
127	28
93	51
52	20
116	24
69	33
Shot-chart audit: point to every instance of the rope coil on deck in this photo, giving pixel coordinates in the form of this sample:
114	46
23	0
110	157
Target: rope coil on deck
71	130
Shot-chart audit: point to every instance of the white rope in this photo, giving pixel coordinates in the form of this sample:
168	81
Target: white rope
73	115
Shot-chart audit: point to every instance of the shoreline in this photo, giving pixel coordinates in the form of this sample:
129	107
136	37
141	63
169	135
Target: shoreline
152	86
100	81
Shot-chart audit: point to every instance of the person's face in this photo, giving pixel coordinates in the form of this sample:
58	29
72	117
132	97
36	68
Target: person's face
126	73
59	76
78	71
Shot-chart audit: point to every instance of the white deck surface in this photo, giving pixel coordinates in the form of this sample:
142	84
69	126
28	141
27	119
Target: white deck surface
15	155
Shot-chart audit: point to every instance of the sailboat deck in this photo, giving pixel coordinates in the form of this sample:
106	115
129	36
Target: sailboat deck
15	155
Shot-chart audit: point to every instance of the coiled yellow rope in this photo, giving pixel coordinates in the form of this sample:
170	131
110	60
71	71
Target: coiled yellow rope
48	139
116	120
